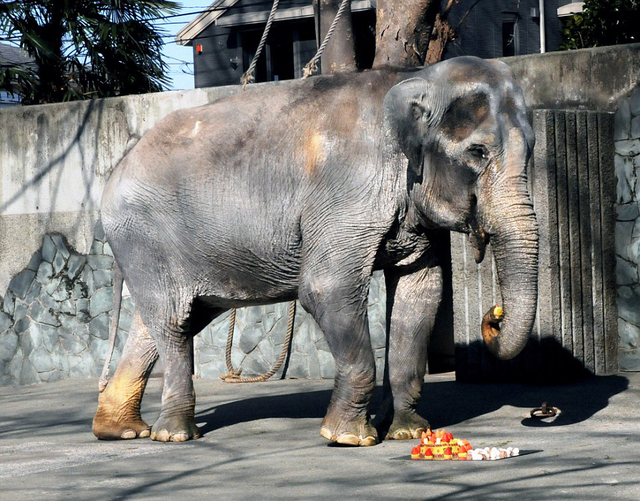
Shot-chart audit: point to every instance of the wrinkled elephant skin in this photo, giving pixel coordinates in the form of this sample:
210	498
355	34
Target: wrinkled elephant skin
301	191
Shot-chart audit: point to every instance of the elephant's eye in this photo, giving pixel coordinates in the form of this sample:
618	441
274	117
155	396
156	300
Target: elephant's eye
478	151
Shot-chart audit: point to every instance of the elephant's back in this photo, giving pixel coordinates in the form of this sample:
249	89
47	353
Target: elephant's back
229	181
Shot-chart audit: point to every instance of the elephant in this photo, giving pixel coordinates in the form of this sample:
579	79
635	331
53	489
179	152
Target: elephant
302	190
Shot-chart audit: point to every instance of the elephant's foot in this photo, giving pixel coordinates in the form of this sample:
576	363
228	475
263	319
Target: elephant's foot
174	429
358	431
107	428
118	415
406	425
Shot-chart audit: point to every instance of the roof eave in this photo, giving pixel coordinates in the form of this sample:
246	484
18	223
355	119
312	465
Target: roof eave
186	35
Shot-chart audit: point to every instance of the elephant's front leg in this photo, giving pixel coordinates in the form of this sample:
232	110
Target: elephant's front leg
118	414
412	304
340	311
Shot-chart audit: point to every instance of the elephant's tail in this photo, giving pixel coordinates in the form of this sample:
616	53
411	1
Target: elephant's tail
113	327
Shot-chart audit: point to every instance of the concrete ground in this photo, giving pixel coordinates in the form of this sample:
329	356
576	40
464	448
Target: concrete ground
261	441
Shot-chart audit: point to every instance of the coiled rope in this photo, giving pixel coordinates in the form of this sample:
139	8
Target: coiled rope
233	375
248	76
311	67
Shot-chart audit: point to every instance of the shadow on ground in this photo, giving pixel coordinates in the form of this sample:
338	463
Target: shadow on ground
444	403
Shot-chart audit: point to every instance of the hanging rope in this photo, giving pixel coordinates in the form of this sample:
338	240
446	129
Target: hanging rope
311	66
248	76
234	376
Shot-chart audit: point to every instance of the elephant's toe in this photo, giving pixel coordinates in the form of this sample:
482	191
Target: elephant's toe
175	429
114	429
358	432
406	426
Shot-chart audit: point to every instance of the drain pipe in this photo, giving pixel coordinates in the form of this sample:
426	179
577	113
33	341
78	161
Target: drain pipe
543	32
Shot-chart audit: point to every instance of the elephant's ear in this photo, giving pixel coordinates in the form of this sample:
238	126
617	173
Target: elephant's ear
407	116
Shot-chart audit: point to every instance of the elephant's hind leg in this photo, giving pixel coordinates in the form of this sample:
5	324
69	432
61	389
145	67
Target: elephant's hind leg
118	414
171	327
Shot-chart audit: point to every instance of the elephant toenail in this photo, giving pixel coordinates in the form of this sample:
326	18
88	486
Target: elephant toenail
128	434
163	436
368	441
180	437
348	439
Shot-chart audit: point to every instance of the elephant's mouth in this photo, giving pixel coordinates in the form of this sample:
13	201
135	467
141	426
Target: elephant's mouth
479	240
477	236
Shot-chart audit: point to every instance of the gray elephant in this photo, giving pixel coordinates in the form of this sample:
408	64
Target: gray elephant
301	191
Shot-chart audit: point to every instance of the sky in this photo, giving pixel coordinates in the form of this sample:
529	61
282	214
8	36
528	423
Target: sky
179	57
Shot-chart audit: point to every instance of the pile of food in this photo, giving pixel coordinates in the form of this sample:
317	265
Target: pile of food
442	446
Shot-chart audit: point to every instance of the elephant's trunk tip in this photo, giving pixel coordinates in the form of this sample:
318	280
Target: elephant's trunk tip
491	326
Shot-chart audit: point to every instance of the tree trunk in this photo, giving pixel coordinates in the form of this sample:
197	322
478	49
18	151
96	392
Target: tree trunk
52	83
339	55
403	30
441	34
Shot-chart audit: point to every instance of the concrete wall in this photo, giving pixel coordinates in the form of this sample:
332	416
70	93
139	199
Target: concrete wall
627	164
588	79
55	271
54	161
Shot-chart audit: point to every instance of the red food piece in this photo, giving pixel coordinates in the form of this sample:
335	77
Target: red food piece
447	452
415	450
428	452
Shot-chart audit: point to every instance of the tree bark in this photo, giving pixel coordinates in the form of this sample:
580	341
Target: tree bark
441	34
340	53
403	30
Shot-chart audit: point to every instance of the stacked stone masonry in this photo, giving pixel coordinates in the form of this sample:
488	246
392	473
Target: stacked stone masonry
627	164
54	324
260	332
55	314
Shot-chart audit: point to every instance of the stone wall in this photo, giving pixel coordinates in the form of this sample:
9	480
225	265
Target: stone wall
627	163
54	316
260	333
54	324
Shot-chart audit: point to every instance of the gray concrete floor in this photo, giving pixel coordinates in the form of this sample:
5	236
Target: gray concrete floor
261	441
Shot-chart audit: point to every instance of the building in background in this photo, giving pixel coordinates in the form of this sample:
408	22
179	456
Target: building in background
224	39
11	55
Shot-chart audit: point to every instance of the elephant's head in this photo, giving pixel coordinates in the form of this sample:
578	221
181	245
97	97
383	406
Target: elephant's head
460	126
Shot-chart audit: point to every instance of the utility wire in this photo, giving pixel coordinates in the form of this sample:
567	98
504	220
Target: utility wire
171	16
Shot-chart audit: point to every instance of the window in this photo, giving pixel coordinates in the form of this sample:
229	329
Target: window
510	45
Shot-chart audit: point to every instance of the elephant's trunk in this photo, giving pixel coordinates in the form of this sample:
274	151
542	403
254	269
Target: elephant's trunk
514	240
